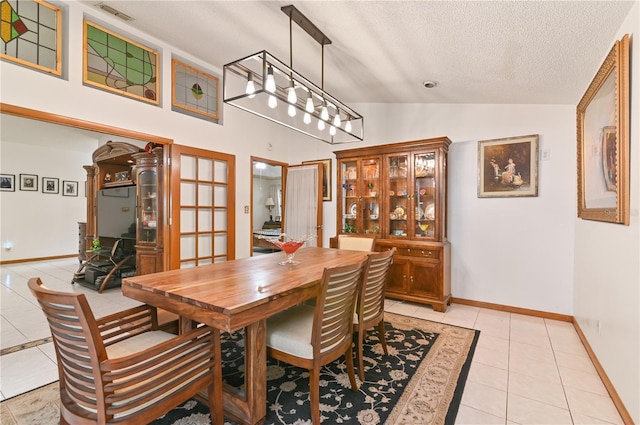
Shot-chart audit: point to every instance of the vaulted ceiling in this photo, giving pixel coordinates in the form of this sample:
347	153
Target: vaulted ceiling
508	52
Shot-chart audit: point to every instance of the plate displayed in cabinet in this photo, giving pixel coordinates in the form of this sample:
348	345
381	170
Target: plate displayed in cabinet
353	209
430	212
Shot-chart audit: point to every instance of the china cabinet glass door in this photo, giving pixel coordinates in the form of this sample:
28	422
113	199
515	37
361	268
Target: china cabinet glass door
399	192
425	194
148	219
360	203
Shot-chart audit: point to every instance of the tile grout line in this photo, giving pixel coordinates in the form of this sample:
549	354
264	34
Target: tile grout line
26	345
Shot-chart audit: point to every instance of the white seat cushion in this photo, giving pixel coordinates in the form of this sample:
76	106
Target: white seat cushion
137	343
290	331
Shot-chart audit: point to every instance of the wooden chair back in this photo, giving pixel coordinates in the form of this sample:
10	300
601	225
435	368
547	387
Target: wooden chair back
149	380
375	277
370	305
333	321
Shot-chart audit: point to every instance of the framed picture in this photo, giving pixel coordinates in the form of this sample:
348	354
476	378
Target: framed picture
28	182
116	64
69	188
32	34
194	91
508	167
50	185
326	177
7	182
603	141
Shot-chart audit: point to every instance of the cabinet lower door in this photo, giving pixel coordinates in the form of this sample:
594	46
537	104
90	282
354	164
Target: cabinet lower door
425	279
398	283
148	261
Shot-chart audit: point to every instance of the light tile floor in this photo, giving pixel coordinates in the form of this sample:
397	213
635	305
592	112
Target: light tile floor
526	370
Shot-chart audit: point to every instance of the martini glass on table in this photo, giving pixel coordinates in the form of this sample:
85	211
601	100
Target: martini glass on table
289	246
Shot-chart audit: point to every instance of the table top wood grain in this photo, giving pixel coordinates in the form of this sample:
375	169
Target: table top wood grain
232	294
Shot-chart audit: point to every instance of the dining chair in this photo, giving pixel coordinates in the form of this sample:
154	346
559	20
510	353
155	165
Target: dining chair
356	243
370	303
312	336
119	369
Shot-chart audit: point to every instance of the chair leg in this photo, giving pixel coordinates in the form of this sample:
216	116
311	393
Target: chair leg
314	395
383	340
359	355
352	374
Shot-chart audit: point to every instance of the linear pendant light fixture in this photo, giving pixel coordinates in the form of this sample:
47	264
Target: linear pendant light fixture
265	86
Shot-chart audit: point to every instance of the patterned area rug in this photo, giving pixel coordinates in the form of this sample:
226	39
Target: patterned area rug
419	382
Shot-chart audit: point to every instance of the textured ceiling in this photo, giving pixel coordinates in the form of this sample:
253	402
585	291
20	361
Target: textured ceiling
516	52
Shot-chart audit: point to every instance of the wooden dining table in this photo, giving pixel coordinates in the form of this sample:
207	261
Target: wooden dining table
237	294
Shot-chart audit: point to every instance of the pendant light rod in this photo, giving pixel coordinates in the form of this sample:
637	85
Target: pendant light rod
304	23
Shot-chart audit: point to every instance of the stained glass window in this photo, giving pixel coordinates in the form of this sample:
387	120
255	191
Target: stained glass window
31	34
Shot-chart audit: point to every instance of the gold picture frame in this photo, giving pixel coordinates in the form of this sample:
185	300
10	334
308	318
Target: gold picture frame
114	63
326	176
603	141
508	167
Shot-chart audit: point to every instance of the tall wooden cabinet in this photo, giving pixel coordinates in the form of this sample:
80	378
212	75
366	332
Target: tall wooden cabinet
399	193
122	171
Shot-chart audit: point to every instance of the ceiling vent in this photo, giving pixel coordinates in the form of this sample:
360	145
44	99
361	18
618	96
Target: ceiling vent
114	12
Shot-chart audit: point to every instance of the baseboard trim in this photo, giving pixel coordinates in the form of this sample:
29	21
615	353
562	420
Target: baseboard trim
622	410
517	310
27	260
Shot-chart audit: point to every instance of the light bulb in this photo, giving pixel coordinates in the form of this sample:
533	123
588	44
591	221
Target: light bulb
324	114
320	125
306	118
273	102
309	107
251	87
291	95
270	86
291	111
332	130
336	119
347	126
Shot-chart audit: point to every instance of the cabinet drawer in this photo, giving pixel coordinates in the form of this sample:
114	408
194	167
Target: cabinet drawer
430	253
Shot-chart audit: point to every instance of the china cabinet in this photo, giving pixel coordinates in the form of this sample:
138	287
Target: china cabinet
149	214
399	193
125	215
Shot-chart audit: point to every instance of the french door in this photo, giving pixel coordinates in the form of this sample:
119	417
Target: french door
202	205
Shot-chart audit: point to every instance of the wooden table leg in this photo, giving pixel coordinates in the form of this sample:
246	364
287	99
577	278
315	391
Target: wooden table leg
251	408
217	417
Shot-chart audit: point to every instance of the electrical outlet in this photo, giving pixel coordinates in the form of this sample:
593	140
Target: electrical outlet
246	209
545	155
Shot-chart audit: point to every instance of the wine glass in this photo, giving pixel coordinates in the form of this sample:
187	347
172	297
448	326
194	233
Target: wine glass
289	246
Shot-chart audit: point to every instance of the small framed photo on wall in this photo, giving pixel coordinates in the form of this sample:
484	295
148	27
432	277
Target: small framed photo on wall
7	182
29	182
50	185
69	188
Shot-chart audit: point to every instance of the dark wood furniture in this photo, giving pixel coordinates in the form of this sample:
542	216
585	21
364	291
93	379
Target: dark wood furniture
398	192
240	294
122	171
121	368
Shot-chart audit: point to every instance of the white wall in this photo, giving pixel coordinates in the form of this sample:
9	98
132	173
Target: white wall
607	274
42	224
511	251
